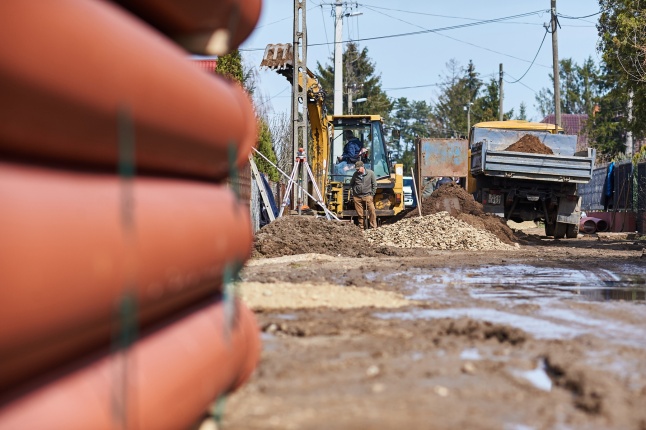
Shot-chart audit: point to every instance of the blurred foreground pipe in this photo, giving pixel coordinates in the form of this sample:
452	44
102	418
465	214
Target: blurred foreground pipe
212	27
67	260
68	67
591	225
171	377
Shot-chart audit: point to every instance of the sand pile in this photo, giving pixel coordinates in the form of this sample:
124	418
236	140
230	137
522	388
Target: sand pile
530	144
437	231
460	204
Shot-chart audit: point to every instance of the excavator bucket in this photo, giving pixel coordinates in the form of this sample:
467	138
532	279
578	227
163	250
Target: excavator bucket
279	56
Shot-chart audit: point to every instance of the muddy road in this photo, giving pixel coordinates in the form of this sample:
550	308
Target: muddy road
450	320
551	335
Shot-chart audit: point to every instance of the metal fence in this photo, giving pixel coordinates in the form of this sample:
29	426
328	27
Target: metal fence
623	187
592	198
641	197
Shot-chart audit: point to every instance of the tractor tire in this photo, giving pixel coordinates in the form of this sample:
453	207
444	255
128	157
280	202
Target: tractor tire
549	229
560	230
572	231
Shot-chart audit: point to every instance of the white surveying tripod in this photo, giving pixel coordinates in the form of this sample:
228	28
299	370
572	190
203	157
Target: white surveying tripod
301	161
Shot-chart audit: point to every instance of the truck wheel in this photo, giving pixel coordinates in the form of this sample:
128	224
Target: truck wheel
560	230
572	231
549	229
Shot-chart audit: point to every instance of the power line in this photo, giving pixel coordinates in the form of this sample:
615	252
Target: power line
578	17
530	66
414	33
413	86
459	40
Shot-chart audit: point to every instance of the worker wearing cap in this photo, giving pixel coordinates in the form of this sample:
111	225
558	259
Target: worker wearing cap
364	187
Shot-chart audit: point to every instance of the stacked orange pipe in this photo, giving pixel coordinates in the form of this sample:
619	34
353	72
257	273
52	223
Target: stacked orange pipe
64	260
171	376
201	26
67	68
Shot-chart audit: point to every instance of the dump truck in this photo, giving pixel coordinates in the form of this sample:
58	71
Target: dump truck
331	173
527	171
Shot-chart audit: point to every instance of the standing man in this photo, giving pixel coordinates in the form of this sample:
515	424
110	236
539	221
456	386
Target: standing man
364	187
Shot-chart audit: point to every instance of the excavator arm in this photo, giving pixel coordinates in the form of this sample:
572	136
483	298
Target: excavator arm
280	58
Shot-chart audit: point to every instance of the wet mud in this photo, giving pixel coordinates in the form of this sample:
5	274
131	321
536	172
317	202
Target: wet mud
490	340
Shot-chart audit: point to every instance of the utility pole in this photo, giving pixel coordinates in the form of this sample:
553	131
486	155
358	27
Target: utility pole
555	65
350	91
299	94
500	114
629	133
338	58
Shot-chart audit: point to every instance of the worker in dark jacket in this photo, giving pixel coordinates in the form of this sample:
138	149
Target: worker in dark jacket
364	187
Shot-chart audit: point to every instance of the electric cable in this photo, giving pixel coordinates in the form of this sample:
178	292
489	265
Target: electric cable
456	39
535	56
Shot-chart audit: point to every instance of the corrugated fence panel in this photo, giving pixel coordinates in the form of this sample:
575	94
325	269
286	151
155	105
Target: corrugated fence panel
641	198
623	186
592	192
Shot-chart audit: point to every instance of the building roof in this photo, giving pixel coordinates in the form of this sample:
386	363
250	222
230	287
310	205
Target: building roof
205	64
572	124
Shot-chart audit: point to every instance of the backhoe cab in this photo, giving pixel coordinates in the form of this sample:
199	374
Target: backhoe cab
327	142
368	130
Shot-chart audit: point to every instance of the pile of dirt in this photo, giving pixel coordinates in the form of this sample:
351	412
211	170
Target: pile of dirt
293	235
460	204
530	144
438	231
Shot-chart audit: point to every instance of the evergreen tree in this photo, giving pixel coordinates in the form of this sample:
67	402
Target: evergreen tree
487	106
265	147
460	87
230	66
622	43
522	112
358	76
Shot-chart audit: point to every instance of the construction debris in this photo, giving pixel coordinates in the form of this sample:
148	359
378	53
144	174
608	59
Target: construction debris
460	204
437	231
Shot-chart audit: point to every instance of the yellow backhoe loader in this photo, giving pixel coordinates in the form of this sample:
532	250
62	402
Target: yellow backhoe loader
331	172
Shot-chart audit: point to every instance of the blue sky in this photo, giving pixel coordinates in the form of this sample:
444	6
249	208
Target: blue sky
420	60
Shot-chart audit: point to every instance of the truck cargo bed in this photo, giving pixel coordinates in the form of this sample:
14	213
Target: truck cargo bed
541	167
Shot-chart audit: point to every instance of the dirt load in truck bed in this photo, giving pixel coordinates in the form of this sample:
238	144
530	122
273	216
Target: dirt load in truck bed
530	144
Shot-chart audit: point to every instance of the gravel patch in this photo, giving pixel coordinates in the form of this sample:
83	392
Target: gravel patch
438	231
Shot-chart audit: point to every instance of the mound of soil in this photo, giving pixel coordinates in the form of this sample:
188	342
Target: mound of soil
293	235
530	144
455	200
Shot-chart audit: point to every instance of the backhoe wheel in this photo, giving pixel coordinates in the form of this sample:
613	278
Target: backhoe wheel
560	230
572	231
549	229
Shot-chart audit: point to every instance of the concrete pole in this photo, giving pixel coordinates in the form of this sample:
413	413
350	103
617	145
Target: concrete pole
555	65
629	134
500	110
350	91
338	59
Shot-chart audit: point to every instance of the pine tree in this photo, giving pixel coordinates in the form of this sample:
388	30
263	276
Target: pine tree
359	76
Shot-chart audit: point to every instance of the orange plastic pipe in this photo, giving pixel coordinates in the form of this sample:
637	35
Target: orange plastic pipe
223	23
67	258
68	67
171	376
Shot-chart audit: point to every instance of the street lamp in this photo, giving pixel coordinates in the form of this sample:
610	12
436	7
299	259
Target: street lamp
468	109
359	100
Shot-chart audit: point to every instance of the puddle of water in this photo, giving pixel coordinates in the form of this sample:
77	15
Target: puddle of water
539	328
471	354
290	317
537	377
525	282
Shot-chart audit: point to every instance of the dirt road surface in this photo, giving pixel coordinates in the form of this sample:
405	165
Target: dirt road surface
549	335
